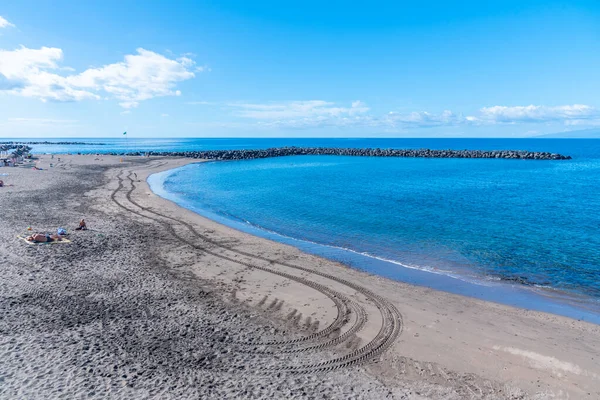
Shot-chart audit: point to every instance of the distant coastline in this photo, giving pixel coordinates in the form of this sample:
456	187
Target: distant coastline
28	142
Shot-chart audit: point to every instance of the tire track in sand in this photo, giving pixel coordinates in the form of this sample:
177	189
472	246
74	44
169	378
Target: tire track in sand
391	318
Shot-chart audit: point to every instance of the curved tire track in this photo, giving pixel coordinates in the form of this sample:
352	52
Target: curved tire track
390	328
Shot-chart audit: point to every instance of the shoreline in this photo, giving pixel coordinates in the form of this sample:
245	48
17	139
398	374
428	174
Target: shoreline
141	286
502	292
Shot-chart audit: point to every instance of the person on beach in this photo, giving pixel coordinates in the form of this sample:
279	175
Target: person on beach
82	226
1	183
39	238
44	238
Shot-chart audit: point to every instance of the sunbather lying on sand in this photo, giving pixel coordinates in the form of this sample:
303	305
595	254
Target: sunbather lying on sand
39	238
43	238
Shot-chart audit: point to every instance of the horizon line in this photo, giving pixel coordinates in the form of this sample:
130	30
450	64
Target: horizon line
293	137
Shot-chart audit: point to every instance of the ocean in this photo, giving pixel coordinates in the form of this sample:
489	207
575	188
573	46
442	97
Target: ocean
518	232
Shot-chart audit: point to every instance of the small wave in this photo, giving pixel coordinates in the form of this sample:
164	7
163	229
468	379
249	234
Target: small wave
158	186
434	270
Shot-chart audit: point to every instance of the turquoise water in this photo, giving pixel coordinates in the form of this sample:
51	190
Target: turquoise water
532	224
519	232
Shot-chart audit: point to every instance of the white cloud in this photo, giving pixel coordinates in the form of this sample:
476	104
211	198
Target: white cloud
5	24
320	113
423	119
164	115
567	114
297	109
583	122
532	113
26	72
301	114
142	76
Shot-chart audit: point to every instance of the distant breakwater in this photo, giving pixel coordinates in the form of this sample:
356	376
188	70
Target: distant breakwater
46	142
364	152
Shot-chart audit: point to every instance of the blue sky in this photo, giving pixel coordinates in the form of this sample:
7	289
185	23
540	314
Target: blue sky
328	69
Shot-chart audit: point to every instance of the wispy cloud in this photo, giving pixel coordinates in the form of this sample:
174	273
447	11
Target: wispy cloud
300	114
297	109
423	119
532	113
4	23
320	113
583	122
141	76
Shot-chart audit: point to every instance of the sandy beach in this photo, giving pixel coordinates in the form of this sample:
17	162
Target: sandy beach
155	301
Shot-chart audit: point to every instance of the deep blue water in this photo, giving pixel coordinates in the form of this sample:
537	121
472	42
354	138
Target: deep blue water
500	224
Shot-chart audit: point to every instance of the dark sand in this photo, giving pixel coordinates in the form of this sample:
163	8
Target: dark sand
155	302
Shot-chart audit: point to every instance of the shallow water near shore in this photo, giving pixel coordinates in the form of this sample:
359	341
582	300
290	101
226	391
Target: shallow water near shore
516	232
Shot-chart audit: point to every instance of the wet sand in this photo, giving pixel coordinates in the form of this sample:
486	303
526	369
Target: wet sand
154	301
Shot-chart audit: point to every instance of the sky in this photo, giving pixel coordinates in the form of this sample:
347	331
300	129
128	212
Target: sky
298	69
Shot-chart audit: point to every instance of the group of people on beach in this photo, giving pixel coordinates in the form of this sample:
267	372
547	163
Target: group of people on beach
56	237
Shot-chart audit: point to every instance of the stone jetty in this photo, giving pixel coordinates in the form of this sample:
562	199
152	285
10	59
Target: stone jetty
360	152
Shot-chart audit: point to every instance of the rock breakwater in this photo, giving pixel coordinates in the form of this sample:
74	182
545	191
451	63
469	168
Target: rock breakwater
360	152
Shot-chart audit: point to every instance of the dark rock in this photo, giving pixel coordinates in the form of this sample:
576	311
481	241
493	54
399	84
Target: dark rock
364	152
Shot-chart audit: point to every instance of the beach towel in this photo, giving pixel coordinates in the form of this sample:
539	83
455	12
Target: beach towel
24	238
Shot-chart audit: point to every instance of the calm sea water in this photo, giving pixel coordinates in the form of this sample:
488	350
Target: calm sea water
534	224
